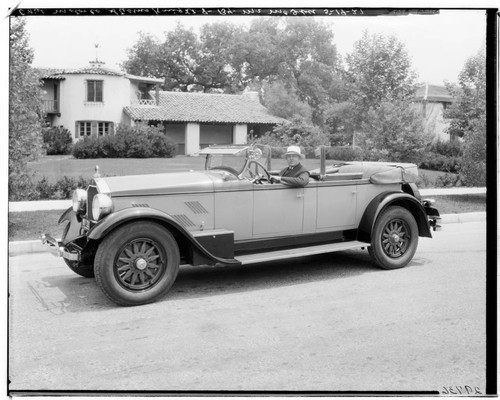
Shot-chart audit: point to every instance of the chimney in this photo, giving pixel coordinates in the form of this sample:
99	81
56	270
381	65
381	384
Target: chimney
254	96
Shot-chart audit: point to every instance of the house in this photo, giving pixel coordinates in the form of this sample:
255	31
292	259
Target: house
197	120
431	101
91	101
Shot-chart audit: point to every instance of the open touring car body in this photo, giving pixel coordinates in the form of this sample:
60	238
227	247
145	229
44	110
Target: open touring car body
231	214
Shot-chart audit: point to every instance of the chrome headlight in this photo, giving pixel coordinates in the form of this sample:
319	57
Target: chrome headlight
102	205
80	201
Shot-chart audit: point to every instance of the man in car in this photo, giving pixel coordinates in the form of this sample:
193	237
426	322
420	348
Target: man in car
295	174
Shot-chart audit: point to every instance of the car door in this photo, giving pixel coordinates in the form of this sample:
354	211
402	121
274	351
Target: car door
336	208
278	210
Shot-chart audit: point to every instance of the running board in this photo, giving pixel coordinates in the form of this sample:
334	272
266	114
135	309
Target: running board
299	252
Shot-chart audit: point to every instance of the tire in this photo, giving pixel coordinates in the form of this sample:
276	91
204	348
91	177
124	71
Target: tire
394	238
137	263
85	270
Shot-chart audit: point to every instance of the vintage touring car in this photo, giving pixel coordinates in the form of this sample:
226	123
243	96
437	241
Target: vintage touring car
133	232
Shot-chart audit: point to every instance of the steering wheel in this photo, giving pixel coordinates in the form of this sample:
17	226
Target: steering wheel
256	176
226	168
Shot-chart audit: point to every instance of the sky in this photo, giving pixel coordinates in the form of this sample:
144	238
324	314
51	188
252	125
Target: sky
438	45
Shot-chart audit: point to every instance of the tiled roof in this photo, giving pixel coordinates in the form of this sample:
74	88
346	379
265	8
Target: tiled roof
203	107
433	93
58	73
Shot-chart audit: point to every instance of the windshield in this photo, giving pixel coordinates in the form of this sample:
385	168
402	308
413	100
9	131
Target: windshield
236	162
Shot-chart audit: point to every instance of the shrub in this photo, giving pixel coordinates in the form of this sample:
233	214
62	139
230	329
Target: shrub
448	180
298	132
57	140
439	162
140	141
473	166
393	132
344	153
62	189
89	147
21	186
447	148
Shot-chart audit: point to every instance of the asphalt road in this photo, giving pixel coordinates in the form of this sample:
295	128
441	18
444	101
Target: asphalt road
326	323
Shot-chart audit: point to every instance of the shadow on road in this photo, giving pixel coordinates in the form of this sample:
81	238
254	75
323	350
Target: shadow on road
83	294
195	282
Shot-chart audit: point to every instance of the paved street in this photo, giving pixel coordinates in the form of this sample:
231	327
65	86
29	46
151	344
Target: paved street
330	323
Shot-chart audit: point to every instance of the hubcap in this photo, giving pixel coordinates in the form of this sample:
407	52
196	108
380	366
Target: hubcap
395	238
140	264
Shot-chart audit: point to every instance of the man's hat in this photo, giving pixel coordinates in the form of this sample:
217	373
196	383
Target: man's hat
294	150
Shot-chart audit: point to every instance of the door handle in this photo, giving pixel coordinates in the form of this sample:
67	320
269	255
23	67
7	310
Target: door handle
300	195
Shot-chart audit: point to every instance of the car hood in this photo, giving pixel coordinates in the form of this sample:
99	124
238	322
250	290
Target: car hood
156	184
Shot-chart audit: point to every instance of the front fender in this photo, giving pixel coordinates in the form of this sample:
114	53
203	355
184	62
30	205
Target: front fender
72	230
121	217
383	200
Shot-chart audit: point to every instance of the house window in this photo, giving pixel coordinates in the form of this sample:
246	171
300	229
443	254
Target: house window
85	128
103	128
94	128
94	91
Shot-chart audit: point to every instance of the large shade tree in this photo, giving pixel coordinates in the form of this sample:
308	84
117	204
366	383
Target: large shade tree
290	56
377	72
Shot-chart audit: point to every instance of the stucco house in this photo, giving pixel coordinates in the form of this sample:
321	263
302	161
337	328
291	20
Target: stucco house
91	101
431	101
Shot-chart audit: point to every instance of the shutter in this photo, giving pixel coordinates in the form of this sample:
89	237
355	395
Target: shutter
90	91
98	89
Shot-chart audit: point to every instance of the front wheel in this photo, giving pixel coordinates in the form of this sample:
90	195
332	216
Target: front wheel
394	238
82	269
137	263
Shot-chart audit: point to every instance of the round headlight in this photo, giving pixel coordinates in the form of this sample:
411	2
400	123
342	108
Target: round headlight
79	201
102	205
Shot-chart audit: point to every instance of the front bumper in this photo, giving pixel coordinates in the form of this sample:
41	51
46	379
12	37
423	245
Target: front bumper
58	250
432	215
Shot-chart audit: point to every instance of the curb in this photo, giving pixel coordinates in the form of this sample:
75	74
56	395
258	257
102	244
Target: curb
35	246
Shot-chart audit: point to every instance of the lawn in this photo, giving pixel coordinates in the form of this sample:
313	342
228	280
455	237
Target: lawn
55	167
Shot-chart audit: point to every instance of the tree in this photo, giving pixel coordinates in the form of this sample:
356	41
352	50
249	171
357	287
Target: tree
25	113
284	102
377	71
469	96
188	62
299	53
467	116
144	57
394	132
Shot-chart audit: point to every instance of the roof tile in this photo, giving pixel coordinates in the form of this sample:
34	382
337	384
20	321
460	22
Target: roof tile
203	107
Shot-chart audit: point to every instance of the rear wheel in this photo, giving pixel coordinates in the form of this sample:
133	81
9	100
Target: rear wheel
137	264
394	238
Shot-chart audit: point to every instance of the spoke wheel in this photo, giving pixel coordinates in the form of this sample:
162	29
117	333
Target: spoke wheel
394	238
137	263
140	264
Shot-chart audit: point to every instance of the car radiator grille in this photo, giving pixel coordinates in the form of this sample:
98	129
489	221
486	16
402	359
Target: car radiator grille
91	192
